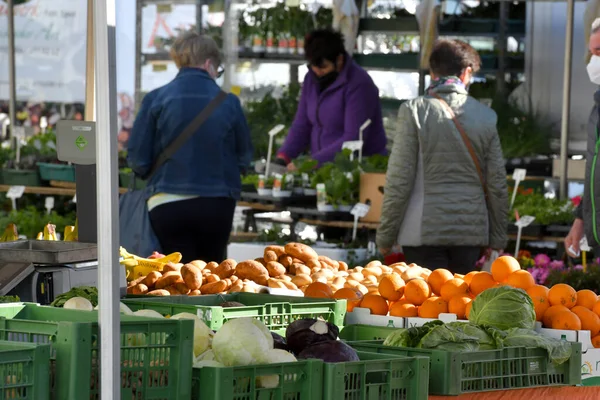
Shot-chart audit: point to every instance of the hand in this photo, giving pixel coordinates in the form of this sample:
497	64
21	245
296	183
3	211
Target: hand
574	238
384	252
291	167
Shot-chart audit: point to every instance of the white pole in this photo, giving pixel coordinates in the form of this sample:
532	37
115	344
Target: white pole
12	75
566	103
107	192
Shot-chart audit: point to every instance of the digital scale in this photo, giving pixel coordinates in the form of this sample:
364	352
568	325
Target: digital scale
39	270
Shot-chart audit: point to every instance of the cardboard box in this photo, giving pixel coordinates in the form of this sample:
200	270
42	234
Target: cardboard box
371	192
575	169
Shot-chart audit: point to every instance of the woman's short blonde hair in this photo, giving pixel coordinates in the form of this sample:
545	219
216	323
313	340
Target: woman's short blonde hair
192	49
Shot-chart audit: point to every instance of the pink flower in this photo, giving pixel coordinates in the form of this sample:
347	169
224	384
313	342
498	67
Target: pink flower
576	201
542	260
578	267
557	264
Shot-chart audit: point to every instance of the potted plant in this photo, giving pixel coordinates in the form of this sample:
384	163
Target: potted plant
283	185
250	183
265	185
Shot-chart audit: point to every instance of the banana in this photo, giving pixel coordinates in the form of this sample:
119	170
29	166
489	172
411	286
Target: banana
173	257
68	237
129	262
50	232
10	234
40	236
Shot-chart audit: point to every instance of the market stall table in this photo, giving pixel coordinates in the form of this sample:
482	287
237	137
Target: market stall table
545	393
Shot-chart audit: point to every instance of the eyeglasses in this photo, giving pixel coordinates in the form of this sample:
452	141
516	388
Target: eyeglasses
220	71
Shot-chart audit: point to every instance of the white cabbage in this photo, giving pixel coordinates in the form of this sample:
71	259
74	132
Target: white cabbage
78	303
241	341
202	333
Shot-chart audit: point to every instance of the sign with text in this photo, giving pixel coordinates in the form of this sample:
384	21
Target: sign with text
50	42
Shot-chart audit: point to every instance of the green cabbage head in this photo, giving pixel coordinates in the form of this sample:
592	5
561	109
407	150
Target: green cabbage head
503	307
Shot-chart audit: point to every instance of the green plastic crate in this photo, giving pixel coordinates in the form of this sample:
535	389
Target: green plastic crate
454	373
297	381
57	172
377	376
276	312
156	355
24	373
21	177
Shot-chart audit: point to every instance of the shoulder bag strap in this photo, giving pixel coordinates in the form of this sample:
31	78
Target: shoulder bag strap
466	140
187	133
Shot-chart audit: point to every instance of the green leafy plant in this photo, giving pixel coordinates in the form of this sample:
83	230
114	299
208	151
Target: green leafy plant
30	221
546	211
577	278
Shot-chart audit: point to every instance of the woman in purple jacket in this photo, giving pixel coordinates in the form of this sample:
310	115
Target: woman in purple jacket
338	96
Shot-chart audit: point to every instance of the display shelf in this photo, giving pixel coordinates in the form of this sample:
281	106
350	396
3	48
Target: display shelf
340	224
56	191
449	26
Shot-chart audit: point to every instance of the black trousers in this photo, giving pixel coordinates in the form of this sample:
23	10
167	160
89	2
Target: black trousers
198	228
456	259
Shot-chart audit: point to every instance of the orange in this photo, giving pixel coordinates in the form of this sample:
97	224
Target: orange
521	279
417	291
566	320
318	289
538	291
550	313
470	276
468	309
403	310
587	299
481	281
437	278
377	304
540	305
503	267
454	287
433	307
458	305
391	287
589	320
353	297
596	308
596	341
562	294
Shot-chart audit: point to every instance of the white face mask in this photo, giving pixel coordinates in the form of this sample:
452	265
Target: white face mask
593	69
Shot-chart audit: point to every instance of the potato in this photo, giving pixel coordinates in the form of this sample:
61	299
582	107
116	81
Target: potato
182	288
362	288
302	269
261	260
318	278
172	290
212	278
159	292
151	278
140	288
332	263
213	287
252	270
206	272
301	251
290	285
249	288
358	269
313	263
172	267
297	261
350	283
198	264
424	274
286	278
278	250
411	273
275	269
373	289
356	276
374	263
212	266
338	283
233	278
370	279
236	286
270	256
195	293
136	281
326	273
130	289
343	266
191	276
168	279
343	274
276	284
226	269
301	280
286	260
373	270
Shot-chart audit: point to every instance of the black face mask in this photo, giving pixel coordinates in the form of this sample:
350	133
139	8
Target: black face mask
326	80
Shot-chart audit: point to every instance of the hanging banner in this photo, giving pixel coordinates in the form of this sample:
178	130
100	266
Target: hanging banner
50	41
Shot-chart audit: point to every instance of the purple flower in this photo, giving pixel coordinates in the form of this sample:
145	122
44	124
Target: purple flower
578	267
540	275
557	264
542	260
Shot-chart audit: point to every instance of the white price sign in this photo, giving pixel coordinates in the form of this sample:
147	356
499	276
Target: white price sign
15	192
525	221
353	145
583	244
360	210
519	174
49	204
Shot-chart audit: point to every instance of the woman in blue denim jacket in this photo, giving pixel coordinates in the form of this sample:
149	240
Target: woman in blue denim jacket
197	189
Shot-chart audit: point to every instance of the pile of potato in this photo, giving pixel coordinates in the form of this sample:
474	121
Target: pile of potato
293	266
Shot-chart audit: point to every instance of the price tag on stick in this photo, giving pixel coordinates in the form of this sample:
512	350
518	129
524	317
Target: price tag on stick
353	146
521	223
359	211
49	204
14	193
361	131
272	134
518	176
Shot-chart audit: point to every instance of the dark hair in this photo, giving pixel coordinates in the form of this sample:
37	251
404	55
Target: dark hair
323	44
450	57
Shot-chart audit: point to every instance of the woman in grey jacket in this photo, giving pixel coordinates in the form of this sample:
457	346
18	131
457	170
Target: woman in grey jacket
435	204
